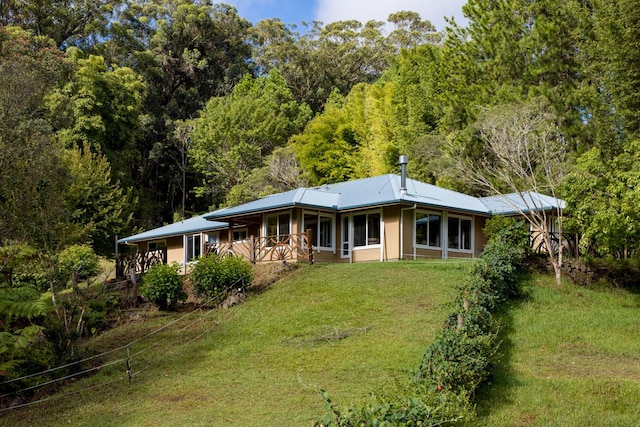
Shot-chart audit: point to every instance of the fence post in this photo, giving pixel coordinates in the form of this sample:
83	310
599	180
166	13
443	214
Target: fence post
134	282
309	245
129	376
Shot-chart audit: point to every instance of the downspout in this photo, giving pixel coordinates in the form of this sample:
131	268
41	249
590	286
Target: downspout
402	232
382	240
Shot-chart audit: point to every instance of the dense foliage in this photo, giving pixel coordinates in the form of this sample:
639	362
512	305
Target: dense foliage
163	286
214	277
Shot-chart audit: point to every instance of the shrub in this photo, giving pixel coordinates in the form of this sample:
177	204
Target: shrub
162	285
213	276
78	262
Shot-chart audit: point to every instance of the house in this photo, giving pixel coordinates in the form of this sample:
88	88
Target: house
179	242
382	218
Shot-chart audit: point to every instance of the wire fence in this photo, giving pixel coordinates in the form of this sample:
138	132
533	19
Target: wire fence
121	356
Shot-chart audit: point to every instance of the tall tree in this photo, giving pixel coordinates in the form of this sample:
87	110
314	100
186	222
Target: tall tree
31	175
68	23
613	60
187	52
510	51
235	133
100	107
96	202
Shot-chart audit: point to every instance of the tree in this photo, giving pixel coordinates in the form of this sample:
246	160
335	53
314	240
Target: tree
523	151
512	51
31	174
187	52
608	220
280	173
100	107
95	201
66	23
235	133
612	60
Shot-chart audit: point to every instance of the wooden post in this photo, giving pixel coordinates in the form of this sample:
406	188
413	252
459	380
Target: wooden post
460	321
252	249
309	245
134	281
129	376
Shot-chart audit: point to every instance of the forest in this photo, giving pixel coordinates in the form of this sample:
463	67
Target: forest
118	116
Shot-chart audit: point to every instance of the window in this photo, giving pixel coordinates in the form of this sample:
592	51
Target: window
345	236
240	234
277	225
428	229
366	229
193	247
158	244
321	226
459	233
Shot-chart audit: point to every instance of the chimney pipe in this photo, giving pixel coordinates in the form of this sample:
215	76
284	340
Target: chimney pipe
403	174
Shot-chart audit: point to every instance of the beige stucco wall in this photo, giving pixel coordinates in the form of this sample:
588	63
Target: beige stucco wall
175	250
391	218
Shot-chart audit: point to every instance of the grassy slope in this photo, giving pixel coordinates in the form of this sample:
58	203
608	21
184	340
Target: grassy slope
571	358
343	328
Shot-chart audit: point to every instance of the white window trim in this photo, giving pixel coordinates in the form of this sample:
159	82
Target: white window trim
240	229
351	230
186	248
415	229
472	232
349	240
319	215
276	214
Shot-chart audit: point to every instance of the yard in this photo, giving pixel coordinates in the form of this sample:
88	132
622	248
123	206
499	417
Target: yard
570	355
344	328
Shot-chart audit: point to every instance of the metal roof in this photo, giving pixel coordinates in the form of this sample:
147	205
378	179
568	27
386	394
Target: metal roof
359	194
526	201
191	225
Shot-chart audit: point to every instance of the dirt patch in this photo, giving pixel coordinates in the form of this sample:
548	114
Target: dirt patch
593	366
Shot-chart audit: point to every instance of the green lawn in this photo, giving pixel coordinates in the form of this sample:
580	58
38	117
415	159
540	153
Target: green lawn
571	357
344	328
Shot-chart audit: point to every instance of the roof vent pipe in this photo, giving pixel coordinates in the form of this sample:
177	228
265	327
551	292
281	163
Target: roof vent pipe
403	174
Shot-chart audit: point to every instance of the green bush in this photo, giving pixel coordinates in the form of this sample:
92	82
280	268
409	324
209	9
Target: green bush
213	276
78	262
162	285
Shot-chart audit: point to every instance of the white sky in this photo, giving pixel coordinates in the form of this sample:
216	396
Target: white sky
365	10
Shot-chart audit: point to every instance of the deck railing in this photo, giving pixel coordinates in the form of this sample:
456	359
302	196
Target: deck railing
568	243
140	261
283	247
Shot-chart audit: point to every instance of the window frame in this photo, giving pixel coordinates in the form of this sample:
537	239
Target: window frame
427	213
195	256
159	244
332	231
239	230
461	218
352	237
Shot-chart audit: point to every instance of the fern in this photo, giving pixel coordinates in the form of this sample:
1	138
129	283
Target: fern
23	302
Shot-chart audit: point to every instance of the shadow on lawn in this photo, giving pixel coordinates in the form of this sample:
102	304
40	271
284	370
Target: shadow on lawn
497	391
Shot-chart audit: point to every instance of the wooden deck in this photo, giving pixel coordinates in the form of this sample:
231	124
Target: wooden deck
285	247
